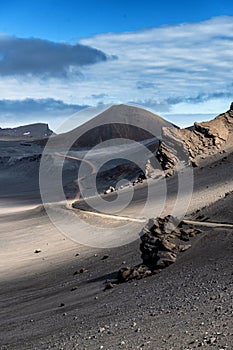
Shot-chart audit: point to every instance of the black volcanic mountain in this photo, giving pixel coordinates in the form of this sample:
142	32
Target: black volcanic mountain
118	121
26	132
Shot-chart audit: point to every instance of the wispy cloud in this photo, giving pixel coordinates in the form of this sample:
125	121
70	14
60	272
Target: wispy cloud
182	63
167	103
176	69
99	96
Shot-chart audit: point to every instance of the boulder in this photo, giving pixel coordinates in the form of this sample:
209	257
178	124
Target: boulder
137	272
110	190
184	247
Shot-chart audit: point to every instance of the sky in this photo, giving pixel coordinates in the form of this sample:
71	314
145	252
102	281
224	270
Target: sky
58	57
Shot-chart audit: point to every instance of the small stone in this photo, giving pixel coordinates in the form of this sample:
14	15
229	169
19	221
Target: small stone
101	330
83	270
73	288
109	190
134	274
108	285
124	274
62	305
36	251
183	248
211	340
105	257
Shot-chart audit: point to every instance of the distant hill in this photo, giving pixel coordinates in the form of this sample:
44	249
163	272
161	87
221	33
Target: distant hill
118	121
26	132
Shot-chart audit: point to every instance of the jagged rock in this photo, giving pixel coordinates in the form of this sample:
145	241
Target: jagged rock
151	172
184	236
124	273
83	270
191	232
105	257
161	242
180	147
108	286
172	153
165	259
73	289
137	272
166	245
183	248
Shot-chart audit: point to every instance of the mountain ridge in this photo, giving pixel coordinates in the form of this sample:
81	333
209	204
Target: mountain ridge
26	132
198	143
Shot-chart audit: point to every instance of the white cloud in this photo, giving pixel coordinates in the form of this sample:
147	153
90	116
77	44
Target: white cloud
185	68
183	60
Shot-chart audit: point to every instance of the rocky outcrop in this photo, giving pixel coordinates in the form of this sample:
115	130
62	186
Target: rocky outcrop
162	239
172	153
151	171
182	146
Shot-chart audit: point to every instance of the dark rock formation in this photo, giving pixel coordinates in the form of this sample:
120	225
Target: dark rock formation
162	240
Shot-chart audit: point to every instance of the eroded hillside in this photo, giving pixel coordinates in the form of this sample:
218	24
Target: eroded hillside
199	142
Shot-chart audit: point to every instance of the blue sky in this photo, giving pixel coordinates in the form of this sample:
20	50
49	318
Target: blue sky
56	57
69	20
